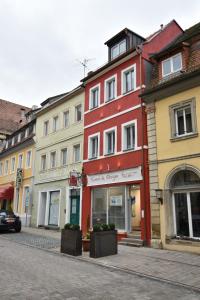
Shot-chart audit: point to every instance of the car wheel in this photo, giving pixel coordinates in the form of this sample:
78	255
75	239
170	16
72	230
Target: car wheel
18	229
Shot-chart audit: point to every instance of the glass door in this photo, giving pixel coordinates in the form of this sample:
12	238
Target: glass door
181	214
54	208
195	212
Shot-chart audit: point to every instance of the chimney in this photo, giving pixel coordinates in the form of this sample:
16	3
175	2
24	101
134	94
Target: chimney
161	26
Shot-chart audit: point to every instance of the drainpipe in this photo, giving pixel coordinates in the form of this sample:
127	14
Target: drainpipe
139	51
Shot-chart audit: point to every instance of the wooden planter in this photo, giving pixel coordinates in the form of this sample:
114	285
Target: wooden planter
103	243
71	242
86	245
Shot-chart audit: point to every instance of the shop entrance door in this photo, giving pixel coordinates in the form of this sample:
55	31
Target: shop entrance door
135	211
74	206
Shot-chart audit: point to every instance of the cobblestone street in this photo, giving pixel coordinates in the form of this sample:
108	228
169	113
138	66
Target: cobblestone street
30	273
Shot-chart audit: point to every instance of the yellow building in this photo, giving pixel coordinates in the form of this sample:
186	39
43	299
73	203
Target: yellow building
173	122
16	171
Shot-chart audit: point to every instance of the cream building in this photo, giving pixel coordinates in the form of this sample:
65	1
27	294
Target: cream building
59	150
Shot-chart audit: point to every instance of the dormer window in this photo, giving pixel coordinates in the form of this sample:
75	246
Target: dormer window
118	49
19	137
171	65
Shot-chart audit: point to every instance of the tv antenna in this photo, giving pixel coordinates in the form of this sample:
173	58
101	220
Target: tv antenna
84	63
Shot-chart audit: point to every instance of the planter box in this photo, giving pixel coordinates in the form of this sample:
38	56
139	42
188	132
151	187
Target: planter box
71	242
103	243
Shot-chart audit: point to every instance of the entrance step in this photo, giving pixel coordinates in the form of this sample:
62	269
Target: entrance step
135	235
131	242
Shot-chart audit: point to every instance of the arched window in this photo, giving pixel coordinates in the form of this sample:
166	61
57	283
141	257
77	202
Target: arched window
185	185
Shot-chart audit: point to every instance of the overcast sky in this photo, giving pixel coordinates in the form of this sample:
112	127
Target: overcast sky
41	41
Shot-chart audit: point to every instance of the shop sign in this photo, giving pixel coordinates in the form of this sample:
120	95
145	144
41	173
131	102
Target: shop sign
128	175
116	200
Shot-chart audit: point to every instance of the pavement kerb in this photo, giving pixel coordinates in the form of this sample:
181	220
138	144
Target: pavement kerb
112	267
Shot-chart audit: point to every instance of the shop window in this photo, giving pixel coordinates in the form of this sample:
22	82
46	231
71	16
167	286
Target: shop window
108	206
183	119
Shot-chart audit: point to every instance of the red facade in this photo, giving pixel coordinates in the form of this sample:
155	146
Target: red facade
124	109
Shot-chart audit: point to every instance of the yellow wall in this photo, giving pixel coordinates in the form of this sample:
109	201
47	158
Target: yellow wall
11	176
166	149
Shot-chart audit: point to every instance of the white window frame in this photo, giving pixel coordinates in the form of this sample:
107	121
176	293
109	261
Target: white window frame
12	170
106	88
90	137
6	167
123	84
123	141
54	151
13	141
55	125
47	131
171	64
75	145
20	154
64	112
28	166
61	157
2	168
41	169
90	95
113	129
118	46
19	137
76	120
6	144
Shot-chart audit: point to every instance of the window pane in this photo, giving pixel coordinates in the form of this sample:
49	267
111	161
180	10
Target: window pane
99	206
115	51
110	142
176	61
195	209
64	157
188	117
122	47
180	122
116	207
166	67
110	90
94	147
95	97
66	119
78	113
77	153
54	208
130	137
181	212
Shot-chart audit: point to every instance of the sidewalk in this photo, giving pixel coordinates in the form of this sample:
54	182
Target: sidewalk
175	267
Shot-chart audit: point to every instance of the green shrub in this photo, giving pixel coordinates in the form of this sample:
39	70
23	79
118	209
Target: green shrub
97	227
72	226
112	226
105	227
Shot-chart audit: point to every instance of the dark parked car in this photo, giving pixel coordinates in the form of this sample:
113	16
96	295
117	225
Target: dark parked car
8	220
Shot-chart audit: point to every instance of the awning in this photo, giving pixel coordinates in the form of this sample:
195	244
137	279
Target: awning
6	192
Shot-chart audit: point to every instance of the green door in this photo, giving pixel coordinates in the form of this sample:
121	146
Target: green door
74	209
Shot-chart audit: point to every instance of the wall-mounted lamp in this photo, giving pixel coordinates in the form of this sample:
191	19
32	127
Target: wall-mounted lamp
159	195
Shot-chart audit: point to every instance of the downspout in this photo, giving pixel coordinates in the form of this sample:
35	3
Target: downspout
139	51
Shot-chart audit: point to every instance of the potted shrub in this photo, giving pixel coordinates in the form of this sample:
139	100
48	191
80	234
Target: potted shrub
86	242
71	239
103	240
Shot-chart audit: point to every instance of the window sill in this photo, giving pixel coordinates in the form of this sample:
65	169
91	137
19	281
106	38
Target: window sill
109	154
184	137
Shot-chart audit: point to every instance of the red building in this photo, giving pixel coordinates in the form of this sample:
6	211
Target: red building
115	137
